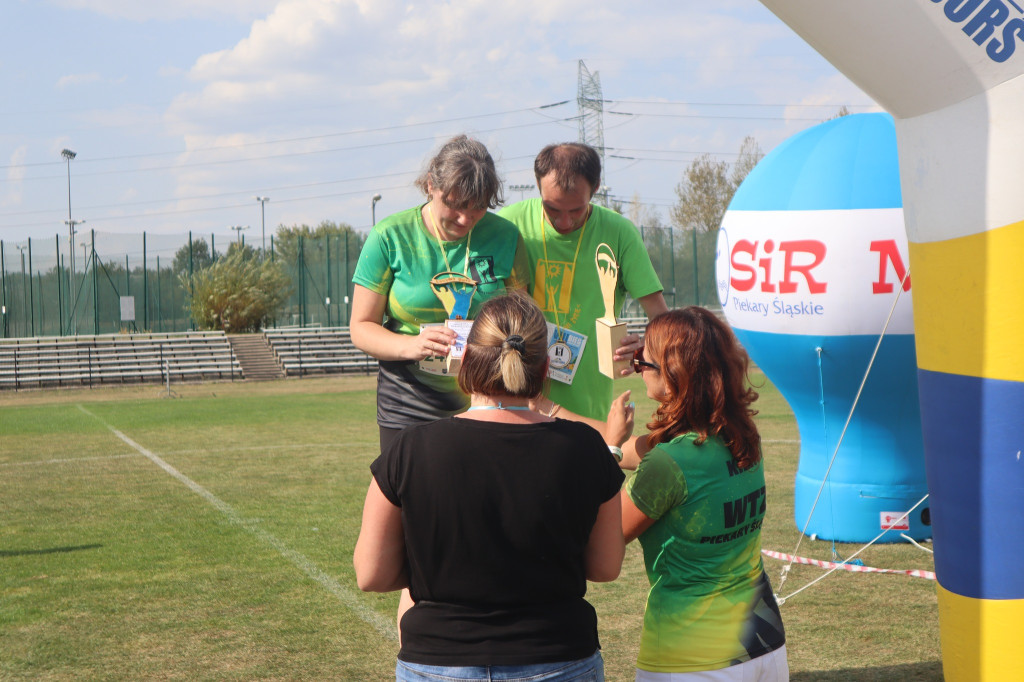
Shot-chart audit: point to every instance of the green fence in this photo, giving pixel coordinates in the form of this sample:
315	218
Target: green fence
119	282
685	262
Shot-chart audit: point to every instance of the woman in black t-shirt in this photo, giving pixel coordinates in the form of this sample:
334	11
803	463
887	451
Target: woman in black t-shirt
495	519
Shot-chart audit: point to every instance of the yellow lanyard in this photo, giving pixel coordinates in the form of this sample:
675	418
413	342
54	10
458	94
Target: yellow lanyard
544	240
437	236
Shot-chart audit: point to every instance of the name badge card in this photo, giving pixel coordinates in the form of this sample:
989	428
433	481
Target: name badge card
565	350
434	364
458	347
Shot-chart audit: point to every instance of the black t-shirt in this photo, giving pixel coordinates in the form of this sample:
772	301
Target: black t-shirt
496	519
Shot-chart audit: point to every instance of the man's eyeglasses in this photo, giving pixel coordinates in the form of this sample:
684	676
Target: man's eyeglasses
639	364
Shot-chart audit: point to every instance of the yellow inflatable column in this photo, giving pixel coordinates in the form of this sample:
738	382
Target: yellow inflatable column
950	72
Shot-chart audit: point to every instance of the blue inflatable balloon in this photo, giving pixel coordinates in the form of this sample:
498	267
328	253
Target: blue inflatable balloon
811	268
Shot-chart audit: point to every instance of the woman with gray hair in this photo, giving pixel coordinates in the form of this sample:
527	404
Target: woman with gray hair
495	519
439	260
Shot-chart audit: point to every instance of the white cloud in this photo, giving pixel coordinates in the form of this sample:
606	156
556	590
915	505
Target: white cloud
134	10
15	177
310	67
75	79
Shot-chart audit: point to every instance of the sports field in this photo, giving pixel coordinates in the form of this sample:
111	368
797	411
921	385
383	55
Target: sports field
209	536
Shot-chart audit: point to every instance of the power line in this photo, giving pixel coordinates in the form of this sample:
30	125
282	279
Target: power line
241	145
268	157
742	104
220	207
717	117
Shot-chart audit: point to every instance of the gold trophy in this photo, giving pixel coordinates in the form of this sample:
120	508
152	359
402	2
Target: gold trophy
455	291
608	333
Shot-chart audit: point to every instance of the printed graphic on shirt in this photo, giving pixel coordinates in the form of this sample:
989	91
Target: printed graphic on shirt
481	268
553	285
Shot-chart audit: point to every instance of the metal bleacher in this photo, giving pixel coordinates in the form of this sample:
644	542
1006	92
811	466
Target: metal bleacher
325	350
115	359
318	350
134	358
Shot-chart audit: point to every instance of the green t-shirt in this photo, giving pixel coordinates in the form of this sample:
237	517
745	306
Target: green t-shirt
398	260
564	282
711	604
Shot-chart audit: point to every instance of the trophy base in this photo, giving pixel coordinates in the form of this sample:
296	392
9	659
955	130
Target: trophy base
608	336
458	349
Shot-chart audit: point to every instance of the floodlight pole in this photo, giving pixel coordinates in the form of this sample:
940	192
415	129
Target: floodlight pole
521	189
373	209
68	156
263	227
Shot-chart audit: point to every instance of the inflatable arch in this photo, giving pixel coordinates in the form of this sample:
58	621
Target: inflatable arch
950	72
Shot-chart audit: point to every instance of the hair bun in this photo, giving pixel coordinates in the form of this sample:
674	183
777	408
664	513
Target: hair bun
516	343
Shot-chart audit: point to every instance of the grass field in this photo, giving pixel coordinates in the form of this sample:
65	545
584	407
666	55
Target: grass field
210	536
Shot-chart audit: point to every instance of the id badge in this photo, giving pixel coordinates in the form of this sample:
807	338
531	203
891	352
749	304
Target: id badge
434	364
458	347
565	351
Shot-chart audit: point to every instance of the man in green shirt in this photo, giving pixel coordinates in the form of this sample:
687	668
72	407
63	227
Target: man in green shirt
562	232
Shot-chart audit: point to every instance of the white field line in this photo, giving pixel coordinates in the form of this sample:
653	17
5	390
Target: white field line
288	446
383	625
241	448
68	460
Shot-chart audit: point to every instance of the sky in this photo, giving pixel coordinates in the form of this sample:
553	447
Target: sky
182	113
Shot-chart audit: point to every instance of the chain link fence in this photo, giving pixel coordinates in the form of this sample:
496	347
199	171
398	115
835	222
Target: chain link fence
108	283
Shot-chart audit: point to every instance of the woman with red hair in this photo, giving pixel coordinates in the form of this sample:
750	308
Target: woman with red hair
696	503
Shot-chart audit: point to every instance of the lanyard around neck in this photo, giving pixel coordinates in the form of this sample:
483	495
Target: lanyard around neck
437	235
544	222
499	406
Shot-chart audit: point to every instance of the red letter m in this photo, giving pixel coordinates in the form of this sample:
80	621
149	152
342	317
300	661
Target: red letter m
887	252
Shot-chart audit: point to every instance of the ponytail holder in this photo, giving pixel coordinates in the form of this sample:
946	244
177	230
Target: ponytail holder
516	342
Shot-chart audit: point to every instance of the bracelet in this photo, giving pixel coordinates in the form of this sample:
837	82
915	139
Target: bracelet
616	452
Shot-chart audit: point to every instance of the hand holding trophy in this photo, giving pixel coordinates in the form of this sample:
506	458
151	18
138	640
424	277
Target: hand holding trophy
455	291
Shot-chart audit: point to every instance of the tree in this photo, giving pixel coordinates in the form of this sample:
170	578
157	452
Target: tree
750	155
708	186
244	251
704	193
201	257
238	293
286	242
642	215
320	261
842	111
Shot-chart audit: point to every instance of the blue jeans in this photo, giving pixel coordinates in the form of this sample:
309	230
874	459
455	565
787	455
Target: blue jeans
584	670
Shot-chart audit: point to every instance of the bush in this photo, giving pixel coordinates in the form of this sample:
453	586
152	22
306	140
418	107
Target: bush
238	293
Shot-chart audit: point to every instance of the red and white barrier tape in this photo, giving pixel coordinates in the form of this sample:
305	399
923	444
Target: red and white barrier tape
914	573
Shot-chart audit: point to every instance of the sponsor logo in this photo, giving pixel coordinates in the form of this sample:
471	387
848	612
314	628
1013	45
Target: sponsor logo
890	518
791	270
994	25
754	261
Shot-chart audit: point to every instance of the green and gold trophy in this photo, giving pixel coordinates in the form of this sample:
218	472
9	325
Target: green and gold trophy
608	331
455	291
